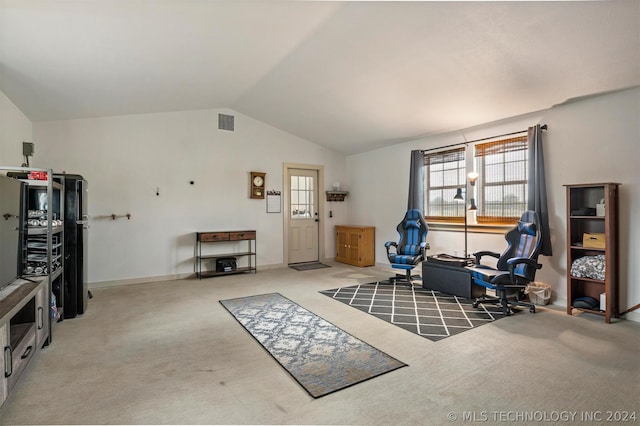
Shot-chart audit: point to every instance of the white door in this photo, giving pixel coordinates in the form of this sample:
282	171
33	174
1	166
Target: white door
303	215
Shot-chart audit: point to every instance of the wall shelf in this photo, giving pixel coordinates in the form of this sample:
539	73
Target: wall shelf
336	195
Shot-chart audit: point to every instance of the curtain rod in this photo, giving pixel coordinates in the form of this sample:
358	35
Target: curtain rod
543	127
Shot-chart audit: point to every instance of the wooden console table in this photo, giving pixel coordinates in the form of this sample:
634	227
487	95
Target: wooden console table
229	249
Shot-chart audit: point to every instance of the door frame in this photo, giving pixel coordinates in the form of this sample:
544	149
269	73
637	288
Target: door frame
285	203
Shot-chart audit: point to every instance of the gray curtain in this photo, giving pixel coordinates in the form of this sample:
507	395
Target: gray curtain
537	186
416	181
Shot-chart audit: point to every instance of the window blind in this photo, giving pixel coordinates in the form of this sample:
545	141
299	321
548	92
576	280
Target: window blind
445	173
502	186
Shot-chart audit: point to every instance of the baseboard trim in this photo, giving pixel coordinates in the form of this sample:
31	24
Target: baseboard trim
632	316
161	278
142	280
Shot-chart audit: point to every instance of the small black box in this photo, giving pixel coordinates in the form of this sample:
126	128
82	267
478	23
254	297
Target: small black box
226	264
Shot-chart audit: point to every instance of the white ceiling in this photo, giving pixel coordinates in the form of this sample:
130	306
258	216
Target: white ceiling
352	76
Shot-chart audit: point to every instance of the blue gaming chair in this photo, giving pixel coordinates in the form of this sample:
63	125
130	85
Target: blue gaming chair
516	267
409	251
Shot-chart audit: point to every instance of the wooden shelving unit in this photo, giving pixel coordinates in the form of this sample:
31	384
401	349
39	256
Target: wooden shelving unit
581	203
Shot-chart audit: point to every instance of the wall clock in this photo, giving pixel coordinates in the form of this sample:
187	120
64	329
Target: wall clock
257	185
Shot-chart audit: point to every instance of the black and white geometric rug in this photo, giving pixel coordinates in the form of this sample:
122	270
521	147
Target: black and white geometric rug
427	313
319	356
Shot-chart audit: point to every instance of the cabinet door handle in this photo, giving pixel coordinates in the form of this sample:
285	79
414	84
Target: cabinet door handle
40	318
8	361
27	352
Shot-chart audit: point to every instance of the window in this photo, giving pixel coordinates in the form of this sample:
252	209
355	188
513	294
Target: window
302	197
502	186
500	192
445	172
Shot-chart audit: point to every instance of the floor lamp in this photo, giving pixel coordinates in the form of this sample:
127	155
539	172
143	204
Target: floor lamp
472	177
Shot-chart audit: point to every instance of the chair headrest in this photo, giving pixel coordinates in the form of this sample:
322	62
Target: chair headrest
413	214
411	224
527	228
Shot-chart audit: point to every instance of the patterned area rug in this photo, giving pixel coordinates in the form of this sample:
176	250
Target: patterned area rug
428	313
320	356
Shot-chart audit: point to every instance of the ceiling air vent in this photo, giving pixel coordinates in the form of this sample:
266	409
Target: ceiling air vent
225	122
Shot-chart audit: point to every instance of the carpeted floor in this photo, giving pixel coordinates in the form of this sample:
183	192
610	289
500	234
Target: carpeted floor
308	266
428	313
168	353
321	357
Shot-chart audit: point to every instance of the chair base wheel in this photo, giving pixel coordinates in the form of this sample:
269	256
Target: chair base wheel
503	303
403	279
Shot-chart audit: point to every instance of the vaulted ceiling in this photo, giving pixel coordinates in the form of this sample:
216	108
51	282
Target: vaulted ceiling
351	76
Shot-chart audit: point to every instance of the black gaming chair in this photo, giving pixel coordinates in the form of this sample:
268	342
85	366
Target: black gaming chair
409	251
516	267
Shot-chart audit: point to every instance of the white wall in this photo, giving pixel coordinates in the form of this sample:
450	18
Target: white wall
126	158
15	128
592	140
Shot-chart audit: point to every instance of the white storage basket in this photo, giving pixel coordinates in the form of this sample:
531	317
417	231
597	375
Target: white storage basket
539	293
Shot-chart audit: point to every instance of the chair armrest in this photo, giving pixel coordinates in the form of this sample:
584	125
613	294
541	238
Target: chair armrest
514	261
478	255
518	260
389	244
424	246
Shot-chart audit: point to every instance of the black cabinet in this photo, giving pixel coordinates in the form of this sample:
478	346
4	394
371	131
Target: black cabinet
76	242
44	236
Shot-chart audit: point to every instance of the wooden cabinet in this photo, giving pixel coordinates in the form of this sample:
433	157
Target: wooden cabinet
43	316
355	245
24	327
4	358
225	252
592	209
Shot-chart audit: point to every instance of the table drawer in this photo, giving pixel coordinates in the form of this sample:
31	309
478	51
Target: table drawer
214	236
242	235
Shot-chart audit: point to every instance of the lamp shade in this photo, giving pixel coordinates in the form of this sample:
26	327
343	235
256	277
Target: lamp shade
473	204
472	177
458	196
